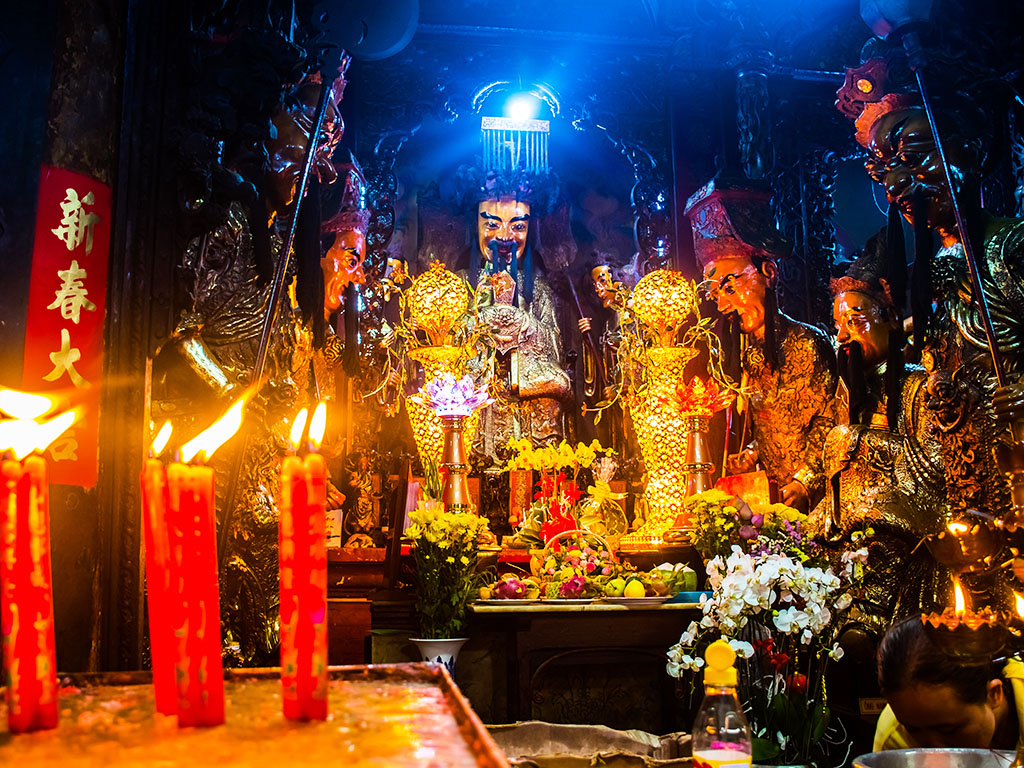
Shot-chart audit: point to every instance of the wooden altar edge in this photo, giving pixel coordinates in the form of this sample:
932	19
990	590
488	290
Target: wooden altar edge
595	607
478	740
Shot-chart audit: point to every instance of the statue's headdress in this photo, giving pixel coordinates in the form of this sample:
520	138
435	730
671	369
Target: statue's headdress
333	127
867	94
729	219
539	189
867	274
734	219
352	212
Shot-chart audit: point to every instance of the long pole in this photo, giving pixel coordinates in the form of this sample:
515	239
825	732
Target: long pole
273	307
912	45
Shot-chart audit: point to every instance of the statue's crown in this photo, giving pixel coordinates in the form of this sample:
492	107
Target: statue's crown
866	95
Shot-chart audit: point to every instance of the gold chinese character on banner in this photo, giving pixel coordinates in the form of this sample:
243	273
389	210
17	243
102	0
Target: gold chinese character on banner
64	361
77	223
64	448
71	298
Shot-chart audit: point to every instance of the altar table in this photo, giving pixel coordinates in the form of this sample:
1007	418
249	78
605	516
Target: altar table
541	636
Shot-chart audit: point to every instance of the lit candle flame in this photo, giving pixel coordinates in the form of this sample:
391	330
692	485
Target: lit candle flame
1020	604
214	436
318	423
298	426
22	405
961	607
160	441
958	528
22	436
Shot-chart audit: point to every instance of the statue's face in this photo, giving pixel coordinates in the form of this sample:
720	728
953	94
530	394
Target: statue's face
862	319
604	284
903	158
736	285
505	223
342	265
287	149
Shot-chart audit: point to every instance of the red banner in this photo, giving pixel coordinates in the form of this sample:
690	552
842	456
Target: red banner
67	298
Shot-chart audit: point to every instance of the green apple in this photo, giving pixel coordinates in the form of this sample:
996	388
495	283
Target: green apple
615	587
688	582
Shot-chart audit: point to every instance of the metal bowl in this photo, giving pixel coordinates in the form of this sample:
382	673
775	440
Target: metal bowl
935	758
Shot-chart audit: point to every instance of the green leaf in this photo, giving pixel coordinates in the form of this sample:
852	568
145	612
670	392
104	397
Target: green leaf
784	715
764	750
820	720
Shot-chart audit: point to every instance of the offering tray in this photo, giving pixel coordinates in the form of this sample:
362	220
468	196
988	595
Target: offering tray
935	758
392	715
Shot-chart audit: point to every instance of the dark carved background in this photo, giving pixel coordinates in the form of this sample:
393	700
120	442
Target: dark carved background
700	86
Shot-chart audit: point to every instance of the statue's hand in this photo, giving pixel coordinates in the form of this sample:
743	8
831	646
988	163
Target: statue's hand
794	494
1008	403
335	498
584	325
740	463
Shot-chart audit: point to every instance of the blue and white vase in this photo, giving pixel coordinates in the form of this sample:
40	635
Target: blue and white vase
440	650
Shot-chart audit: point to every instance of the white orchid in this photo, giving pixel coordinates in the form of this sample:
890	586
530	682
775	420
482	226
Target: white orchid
742	648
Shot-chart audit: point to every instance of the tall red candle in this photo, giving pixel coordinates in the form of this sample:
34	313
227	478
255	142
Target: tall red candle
191	527
303	562
30	664
159	595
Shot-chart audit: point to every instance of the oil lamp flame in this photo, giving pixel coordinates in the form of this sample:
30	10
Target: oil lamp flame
22	405
214	436
298	426
961	607
318	423
22	436
160	441
958	528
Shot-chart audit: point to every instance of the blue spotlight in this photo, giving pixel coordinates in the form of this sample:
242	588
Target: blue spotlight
522	106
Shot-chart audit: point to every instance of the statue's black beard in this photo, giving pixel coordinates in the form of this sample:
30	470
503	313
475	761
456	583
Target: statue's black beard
851	371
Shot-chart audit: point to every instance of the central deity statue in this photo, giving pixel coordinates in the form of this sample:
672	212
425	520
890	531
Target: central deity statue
788	367
518	308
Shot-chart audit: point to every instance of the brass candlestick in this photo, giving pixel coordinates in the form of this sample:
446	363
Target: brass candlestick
697	465
455	492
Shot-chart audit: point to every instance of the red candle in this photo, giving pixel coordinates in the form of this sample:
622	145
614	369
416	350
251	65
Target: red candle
160	597
195	619
303	560
30	664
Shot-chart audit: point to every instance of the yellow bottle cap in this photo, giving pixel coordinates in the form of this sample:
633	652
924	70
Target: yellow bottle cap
720	658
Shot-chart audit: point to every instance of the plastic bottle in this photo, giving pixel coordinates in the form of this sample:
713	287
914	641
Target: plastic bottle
721	736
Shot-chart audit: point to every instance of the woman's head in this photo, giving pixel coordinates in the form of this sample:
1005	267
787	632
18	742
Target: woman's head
939	701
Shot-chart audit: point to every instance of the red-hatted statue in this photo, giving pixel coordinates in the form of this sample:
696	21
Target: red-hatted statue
788	367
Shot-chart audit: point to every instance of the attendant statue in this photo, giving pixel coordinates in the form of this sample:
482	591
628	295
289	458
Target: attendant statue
600	371
893	127
229	270
518	308
883	464
788	367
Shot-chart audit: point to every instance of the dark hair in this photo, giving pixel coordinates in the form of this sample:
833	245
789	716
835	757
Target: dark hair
907	656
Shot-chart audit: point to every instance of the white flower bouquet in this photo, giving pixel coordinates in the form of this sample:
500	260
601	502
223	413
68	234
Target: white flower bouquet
782	616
